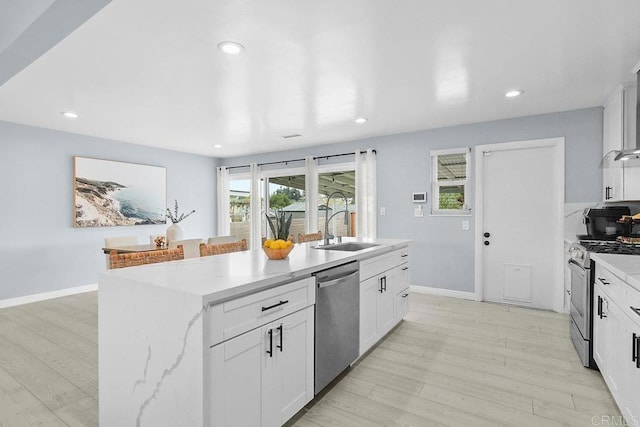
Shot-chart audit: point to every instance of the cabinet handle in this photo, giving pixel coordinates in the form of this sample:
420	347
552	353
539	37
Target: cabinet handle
635	310
383	282
280	329
405	295
274	305
604	282
405	268
607	194
635	349
404	255
270	351
601	302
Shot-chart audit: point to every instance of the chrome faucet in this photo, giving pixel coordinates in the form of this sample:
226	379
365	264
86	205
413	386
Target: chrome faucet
327	236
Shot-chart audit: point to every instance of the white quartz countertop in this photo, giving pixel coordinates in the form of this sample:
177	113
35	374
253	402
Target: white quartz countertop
222	277
626	267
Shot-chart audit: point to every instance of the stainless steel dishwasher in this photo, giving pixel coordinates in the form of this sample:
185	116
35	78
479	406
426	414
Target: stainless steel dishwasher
337	318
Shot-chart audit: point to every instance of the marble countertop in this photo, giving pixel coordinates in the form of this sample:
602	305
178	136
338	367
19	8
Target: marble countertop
223	277
626	267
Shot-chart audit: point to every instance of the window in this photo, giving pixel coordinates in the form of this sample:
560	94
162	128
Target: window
286	192
449	182
341	178
240	208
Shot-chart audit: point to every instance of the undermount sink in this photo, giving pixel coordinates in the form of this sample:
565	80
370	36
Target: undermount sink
349	246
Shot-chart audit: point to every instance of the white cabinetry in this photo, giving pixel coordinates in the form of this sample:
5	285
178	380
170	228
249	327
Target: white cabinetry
619	182
263	376
616	336
384	293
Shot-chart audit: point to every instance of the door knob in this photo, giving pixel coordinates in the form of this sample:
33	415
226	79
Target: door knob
487	243
487	235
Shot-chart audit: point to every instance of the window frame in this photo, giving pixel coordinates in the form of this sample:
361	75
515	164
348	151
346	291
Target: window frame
435	184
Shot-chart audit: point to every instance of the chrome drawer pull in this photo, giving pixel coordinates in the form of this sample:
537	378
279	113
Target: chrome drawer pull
274	305
604	282
404	255
405	268
635	310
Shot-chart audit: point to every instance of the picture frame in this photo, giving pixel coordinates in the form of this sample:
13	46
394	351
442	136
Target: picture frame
109	193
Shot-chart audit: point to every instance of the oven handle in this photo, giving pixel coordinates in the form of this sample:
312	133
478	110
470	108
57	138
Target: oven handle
575	266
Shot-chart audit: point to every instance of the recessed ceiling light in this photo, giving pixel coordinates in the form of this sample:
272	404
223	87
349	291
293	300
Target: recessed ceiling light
636	151
230	48
217	146
70	114
513	93
361	120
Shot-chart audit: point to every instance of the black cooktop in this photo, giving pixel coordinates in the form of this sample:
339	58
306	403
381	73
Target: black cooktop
610	247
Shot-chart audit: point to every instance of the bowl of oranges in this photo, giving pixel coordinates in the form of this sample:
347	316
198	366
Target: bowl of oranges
277	249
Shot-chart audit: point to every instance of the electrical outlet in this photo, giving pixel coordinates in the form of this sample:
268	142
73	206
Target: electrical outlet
383	211
418	211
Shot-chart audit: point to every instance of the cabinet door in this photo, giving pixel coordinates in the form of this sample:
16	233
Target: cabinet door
294	361
629	402
386	302
613	134
600	345
616	360
369	291
235	382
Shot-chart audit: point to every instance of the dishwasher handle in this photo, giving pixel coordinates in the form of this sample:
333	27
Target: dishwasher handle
337	281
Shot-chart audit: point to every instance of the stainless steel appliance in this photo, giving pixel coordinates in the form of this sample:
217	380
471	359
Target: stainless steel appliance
581	327
582	284
602	222
337	319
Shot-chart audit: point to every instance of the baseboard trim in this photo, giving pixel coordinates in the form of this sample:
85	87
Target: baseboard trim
11	302
443	292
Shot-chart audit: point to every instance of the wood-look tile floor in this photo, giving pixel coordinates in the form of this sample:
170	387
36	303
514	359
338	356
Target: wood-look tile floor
450	362
463	363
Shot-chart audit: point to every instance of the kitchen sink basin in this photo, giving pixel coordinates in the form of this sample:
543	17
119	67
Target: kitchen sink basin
348	247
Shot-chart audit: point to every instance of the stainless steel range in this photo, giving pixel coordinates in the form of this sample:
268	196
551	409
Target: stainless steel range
582	283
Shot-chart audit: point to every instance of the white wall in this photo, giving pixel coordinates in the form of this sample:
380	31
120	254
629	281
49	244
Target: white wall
442	253
40	251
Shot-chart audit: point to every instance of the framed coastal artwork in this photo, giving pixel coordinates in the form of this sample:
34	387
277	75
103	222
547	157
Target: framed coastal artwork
109	193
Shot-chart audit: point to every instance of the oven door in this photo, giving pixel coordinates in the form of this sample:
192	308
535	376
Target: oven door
580	309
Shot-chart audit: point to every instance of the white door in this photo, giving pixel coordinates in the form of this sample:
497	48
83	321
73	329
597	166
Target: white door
519	203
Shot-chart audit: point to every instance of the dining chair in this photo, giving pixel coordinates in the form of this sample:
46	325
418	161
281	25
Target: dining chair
191	247
221	239
309	237
223	248
120	260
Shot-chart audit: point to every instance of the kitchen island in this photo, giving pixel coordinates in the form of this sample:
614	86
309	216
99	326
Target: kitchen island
165	334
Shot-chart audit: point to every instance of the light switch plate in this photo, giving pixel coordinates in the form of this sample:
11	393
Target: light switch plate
465	224
383	211
418	211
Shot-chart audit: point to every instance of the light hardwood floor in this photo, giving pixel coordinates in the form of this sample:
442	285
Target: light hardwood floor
451	362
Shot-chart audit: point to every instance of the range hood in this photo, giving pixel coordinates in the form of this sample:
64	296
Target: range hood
630	155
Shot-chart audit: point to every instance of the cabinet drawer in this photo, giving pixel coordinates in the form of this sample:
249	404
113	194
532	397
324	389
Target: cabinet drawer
377	265
402	304
611	284
237	316
633	300
401	255
401	279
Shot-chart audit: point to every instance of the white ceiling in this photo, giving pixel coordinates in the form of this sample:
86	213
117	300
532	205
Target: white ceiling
148	71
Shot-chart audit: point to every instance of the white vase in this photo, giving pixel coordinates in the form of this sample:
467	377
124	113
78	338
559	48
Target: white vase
174	232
